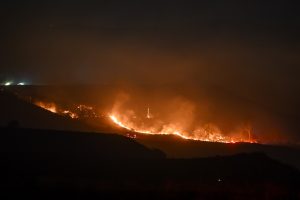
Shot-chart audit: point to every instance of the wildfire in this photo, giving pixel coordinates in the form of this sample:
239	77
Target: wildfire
47	106
151	126
202	134
75	111
55	109
116	121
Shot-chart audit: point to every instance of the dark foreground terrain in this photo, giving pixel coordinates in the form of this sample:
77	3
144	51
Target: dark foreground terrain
75	165
174	147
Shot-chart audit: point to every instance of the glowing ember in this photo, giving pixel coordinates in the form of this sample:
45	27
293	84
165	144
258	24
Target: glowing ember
208	133
71	114
84	111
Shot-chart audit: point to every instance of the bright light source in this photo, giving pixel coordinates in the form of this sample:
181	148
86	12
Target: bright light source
21	83
8	83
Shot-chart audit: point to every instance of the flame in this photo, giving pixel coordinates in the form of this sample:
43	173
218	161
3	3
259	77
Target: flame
52	107
207	132
200	134
70	114
116	121
47	106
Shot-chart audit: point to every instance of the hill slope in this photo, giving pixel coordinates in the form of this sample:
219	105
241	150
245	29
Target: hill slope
31	116
175	147
47	164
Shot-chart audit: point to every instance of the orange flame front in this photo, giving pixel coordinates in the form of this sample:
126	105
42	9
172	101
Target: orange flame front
201	134
206	132
52	107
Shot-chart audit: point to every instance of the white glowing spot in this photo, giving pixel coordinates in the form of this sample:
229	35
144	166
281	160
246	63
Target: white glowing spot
8	83
21	83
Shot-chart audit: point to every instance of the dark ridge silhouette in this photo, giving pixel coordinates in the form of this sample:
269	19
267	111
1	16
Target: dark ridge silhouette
28	115
13	124
51	144
174	147
49	164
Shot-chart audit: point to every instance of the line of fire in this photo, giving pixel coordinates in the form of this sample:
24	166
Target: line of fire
148	124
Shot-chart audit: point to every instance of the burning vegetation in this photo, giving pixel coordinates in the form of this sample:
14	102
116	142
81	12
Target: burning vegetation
149	124
177	116
77	111
52	107
208	132
179	120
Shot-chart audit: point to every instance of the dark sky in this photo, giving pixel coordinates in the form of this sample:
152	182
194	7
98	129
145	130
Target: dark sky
248	47
101	41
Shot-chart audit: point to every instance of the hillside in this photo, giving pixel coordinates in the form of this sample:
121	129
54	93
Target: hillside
47	164
17	112
175	147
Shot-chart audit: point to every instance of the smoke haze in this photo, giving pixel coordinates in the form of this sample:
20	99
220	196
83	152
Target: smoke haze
230	63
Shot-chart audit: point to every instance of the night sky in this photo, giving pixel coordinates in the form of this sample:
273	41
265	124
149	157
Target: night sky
248	47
